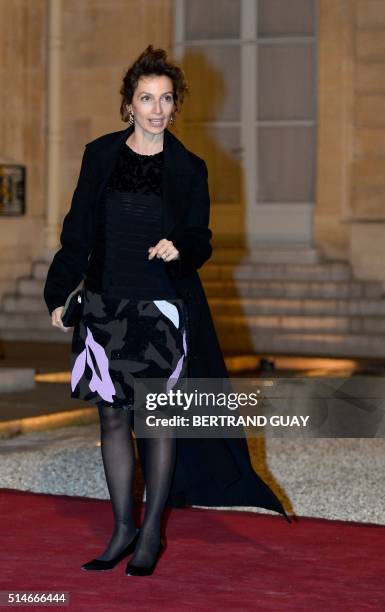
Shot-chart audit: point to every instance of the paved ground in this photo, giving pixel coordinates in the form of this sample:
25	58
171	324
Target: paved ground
331	478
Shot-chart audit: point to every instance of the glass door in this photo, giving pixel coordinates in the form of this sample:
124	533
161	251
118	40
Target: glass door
251	66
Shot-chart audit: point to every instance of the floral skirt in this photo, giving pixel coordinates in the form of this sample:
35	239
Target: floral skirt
119	340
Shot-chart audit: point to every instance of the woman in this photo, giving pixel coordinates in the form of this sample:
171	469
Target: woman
137	231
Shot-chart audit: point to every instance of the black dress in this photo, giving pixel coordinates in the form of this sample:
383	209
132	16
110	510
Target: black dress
139	327
136	327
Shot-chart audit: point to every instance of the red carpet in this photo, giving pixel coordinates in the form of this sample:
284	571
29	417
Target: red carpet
214	560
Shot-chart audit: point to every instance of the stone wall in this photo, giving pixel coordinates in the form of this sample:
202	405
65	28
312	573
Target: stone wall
100	38
22	123
350	210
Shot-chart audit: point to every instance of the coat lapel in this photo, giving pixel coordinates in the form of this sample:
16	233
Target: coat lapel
176	167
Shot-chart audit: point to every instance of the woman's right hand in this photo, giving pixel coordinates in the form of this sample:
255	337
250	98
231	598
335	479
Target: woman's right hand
56	319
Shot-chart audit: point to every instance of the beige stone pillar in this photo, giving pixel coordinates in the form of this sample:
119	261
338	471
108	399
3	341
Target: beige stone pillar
367	229
350	210
334	128
53	134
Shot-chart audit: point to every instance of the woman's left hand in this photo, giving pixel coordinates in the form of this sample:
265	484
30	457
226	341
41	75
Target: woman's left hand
165	250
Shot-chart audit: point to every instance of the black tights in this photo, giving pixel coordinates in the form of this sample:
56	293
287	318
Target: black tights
117	447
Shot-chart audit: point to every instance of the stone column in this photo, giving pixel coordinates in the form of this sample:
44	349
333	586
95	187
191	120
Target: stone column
53	127
350	210
367	229
334	128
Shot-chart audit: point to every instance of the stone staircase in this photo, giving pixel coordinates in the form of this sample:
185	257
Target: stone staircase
314	308
23	312
309	308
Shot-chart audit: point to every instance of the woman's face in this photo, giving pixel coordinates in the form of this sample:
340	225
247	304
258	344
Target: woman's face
153	103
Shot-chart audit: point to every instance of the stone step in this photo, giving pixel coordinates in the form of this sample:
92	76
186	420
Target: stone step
8	285
231	306
289	306
336	345
16	379
331	271
40	269
25	320
294	343
229	251
27	286
23	304
297	289
304	324
243	308
36	335
252	270
294	306
25	312
30	286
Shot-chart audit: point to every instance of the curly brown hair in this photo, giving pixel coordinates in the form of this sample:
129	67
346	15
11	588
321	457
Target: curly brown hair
152	62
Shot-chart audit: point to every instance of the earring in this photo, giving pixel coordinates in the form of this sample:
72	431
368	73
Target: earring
172	119
131	118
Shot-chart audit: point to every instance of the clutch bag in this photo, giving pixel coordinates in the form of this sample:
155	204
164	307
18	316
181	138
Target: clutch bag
72	308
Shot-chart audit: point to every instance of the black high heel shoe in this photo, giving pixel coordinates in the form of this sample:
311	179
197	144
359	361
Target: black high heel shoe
145	570
100	564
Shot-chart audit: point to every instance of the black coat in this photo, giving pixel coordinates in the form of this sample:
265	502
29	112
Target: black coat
211	471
